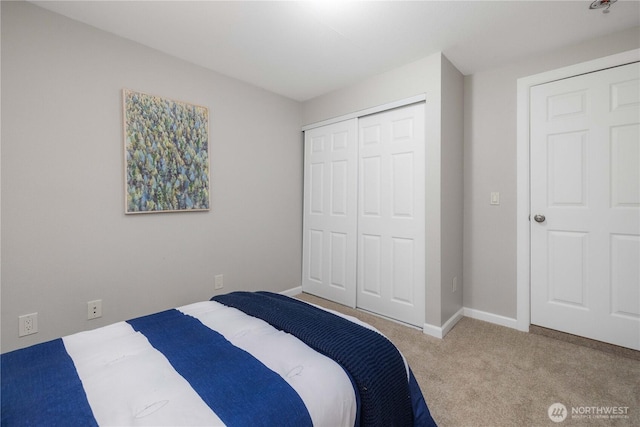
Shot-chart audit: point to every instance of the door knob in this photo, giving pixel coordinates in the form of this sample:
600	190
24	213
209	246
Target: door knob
539	218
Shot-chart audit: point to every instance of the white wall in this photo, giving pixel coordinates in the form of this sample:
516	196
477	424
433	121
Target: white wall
490	165
65	238
422	76
452	119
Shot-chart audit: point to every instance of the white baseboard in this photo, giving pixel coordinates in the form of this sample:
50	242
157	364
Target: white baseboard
491	318
292	292
440	332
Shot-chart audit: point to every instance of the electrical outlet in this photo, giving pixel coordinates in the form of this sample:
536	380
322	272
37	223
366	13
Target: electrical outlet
219	284
94	309
27	324
454	284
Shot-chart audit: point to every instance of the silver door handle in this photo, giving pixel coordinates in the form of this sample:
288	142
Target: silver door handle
539	218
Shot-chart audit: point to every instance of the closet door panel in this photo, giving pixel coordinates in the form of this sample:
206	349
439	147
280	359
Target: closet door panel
391	214
402	260
330	214
370	256
370	188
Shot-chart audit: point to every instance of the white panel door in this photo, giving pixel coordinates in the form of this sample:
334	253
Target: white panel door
585	182
330	215
391	217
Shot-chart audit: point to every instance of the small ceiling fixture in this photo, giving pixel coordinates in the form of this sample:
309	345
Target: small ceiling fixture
599	4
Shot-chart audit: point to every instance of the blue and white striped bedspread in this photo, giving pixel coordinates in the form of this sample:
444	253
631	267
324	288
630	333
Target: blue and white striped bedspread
201	364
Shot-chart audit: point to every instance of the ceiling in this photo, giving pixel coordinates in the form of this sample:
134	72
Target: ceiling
303	49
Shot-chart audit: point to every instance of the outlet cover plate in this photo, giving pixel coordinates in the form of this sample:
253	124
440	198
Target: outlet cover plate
94	309
27	324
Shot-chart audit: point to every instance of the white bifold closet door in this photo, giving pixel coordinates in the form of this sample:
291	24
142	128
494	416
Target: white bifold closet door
364	231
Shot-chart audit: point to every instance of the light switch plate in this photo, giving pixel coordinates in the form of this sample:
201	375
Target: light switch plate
219	281
495	198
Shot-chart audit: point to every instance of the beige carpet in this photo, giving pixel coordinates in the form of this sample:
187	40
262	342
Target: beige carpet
483	374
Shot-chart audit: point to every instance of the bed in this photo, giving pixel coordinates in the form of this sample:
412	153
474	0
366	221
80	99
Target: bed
240	359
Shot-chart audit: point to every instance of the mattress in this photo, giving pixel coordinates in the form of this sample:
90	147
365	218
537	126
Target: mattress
241	359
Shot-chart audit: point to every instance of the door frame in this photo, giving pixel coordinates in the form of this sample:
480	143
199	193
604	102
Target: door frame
523	237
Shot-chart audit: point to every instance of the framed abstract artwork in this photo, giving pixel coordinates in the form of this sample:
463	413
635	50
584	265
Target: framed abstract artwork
166	154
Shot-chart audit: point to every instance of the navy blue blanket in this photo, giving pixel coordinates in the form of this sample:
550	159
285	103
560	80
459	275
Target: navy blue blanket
40	387
380	376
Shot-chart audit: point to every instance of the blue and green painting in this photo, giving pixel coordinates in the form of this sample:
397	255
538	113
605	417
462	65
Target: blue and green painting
166	154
